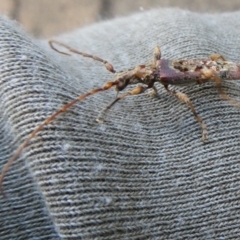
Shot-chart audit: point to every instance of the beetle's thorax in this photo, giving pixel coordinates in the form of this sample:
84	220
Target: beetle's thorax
145	74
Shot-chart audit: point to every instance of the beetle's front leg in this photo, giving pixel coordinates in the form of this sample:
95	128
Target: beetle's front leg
216	57
137	90
184	98
153	92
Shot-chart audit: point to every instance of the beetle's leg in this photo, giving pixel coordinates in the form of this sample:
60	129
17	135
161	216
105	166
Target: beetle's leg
137	90
216	57
184	98
157	57
157	54
153	92
212	75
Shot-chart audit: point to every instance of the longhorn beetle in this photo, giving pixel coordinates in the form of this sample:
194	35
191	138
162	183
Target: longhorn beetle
178	72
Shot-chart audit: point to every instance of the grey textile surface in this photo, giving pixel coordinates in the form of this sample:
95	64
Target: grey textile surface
142	174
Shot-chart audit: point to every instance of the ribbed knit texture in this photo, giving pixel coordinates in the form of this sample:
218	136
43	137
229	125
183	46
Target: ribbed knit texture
142	174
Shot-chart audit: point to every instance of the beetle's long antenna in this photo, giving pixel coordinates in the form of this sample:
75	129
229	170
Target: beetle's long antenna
107	86
108	65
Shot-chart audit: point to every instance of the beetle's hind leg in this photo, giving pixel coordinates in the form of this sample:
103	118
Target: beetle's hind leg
212	75
184	98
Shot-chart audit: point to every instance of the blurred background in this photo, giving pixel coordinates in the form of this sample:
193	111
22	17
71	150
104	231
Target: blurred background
45	18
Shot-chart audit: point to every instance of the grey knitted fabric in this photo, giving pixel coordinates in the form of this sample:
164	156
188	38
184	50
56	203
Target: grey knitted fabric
142	174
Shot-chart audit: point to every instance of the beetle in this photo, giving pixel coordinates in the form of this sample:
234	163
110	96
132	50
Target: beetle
179	72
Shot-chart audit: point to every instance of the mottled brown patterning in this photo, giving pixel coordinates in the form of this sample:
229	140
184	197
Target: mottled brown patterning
167	72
